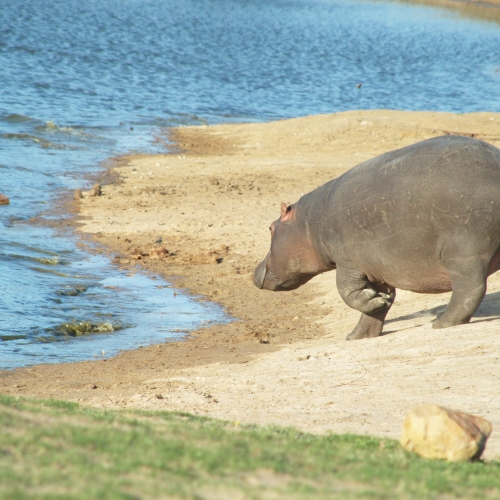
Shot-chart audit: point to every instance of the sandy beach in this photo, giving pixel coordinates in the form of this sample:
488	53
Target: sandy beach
283	359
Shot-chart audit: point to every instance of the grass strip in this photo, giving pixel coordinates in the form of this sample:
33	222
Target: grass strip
60	450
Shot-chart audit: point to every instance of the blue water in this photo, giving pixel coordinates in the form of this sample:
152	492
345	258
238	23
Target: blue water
81	81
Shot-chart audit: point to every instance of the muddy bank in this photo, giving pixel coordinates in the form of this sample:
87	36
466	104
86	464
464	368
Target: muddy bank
283	359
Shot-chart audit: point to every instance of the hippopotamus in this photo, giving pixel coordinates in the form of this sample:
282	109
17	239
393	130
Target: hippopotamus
424	218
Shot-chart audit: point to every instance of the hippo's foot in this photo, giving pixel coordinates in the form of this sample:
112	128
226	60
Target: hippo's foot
369	326
443	322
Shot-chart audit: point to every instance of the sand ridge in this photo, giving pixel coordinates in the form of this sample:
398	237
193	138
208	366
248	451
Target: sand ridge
284	359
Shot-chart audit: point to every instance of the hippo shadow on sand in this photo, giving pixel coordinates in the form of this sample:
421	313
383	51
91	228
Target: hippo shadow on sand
489	310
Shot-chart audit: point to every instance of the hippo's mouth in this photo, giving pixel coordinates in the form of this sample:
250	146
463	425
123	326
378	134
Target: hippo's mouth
260	273
267	280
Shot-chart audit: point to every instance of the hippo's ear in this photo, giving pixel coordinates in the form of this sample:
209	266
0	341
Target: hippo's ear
286	212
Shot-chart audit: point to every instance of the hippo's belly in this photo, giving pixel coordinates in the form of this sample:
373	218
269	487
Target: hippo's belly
423	278
417	264
437	281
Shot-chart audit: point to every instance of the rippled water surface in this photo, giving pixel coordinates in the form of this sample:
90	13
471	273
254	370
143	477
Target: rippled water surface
81	81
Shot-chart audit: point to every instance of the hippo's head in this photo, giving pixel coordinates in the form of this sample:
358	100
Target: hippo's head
292	260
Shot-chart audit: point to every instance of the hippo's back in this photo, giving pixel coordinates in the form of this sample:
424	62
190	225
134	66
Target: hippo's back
449	162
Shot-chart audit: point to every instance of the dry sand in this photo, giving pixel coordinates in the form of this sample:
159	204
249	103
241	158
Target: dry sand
284	360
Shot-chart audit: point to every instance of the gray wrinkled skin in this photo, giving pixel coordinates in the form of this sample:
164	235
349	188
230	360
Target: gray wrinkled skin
424	218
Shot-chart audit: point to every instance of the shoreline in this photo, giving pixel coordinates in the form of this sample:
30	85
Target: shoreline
484	9
283	359
466	4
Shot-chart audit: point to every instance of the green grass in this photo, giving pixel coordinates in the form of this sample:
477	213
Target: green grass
55	450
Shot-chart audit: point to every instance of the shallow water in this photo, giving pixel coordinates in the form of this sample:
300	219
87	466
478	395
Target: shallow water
81	81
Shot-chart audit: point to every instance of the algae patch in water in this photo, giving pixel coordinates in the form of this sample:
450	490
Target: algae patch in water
6	338
40	141
76	329
84	328
72	292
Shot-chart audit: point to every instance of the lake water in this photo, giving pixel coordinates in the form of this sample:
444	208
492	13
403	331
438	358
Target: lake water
84	80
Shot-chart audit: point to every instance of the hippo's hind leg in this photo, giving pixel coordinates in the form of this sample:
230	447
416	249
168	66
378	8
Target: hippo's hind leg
468	281
372	299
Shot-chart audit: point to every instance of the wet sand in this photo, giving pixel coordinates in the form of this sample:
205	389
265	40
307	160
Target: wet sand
284	359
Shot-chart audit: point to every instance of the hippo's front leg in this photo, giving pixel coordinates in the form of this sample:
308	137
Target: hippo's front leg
373	300
361	294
